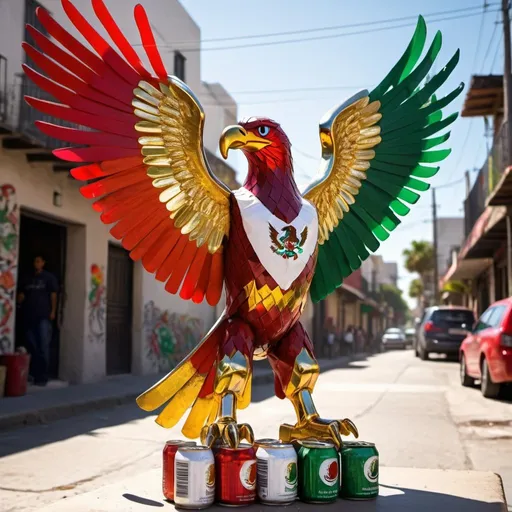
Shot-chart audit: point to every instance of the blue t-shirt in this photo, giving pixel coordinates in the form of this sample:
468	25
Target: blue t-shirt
37	289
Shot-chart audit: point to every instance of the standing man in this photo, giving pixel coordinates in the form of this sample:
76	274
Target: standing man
38	295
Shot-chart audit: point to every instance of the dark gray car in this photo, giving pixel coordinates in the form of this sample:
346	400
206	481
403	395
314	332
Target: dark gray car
442	330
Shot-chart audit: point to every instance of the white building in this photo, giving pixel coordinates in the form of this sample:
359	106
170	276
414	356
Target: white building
450	235
113	316
376	271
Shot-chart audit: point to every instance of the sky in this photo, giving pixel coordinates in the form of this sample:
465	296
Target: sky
343	66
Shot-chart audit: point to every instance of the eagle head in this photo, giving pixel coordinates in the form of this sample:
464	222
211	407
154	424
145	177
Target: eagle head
261	140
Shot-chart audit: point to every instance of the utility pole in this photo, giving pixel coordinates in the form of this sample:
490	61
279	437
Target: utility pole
434	223
507	84
507	106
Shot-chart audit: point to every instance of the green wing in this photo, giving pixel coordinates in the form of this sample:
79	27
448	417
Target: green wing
376	148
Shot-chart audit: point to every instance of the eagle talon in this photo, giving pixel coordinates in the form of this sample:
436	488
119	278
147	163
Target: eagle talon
318	428
228	432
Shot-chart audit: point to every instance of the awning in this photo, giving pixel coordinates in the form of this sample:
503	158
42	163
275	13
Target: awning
466	269
353	291
366	308
487	236
484	97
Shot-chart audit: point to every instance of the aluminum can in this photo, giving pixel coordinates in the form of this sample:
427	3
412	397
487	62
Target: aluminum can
266	440
360	462
277	473
169	453
235	470
194	477
318	472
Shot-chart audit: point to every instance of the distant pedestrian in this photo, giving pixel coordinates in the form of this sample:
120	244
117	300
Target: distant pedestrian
349	339
38	297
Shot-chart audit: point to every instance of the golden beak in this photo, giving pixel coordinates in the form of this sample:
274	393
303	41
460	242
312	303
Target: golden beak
236	137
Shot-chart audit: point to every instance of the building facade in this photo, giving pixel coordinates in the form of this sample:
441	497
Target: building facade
484	261
113	317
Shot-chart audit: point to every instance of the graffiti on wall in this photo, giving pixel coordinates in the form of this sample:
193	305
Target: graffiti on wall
9	224
97	305
169	336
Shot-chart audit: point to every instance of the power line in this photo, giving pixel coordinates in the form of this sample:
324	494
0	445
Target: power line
315	38
303	153
265	102
450	184
490	43
496	53
479	35
323	29
301	89
319	38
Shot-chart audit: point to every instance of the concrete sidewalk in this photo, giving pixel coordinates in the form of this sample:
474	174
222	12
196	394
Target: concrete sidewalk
43	405
401	489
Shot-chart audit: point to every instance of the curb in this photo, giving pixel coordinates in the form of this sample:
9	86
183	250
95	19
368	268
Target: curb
58	412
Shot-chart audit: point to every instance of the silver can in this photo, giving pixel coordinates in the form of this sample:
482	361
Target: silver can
277	473
194	477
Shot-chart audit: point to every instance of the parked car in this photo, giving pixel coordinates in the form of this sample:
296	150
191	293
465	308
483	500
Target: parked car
393	338
410	335
442	330
486	353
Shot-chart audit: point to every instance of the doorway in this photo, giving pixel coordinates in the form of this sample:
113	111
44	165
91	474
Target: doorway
119	311
42	237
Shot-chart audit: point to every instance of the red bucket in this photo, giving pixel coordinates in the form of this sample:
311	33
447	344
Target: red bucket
17	373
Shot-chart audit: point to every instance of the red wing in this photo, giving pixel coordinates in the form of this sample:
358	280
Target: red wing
95	90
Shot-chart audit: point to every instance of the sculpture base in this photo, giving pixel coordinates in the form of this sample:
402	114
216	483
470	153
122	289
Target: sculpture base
402	489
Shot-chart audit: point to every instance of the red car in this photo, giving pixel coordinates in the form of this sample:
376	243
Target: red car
486	353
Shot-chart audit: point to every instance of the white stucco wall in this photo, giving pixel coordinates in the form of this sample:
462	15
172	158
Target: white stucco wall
87	238
82	356
220	111
86	245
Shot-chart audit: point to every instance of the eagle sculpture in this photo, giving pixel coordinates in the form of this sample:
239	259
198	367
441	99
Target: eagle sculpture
138	137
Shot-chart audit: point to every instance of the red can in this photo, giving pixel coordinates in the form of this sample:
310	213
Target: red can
169	453
235	471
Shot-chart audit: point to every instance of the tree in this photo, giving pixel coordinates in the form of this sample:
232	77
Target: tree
419	258
416	289
456	287
393	297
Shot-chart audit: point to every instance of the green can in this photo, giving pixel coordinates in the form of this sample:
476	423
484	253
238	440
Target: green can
318	472
360	476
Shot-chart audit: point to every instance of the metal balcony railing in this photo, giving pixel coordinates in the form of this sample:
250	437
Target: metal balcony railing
488	177
28	116
3	89
499	158
474	203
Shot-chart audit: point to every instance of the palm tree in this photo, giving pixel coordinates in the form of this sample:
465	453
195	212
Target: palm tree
416	289
419	258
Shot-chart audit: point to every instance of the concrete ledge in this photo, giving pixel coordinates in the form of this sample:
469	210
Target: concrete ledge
402	489
50	405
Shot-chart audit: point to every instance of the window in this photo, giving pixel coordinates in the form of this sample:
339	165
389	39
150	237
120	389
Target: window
483	322
453	318
179	65
497	315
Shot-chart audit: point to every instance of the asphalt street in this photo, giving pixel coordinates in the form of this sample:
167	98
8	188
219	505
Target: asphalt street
415	411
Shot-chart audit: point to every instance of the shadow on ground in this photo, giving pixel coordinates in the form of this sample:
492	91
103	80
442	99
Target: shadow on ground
392	499
28	437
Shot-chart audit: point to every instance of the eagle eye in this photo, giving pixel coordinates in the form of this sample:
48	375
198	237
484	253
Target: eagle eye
263	130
